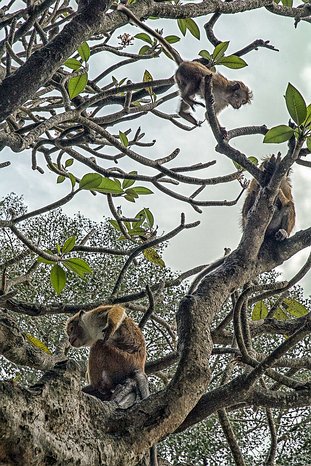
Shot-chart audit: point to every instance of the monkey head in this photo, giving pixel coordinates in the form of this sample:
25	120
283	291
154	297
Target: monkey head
238	94
77	332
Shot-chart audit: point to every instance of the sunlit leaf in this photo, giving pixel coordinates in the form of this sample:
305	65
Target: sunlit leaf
145	50
69	162
260	311
141	190
219	51
172	39
108	186
205	54
60	178
153	256
192	26
145	37
78	266
233	62
294	307
296	105
69	244
123	139
278	134
90	181
77	85
73	64
58	278
146	78
115	224
309	143
182	26
37	343
280	314
84	51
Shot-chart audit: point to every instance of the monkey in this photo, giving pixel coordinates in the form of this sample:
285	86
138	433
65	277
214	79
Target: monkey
283	219
117	351
190	79
117	347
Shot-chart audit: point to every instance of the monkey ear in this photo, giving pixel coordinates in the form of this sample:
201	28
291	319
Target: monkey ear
235	86
81	313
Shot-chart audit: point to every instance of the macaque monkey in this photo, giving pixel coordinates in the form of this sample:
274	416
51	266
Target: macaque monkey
283	220
190	78
117	347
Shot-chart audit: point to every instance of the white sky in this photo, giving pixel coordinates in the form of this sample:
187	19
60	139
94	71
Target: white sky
267	75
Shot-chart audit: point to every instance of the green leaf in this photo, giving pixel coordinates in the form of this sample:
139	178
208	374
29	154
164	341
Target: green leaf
45	261
233	62
73	64
78	266
309	143
260	311
131	192
296	105
129	198
136	231
72	179
280	314
37	343
90	181
253	159
307	121
278	134
145	50
84	51
146	78
219	51
108	186
77	85
172	39
69	244
192	26
127	183
60	178
294	307
115	224
153	256
141	190
123	139
146	214
205	54
58	278
182	26
69	162
287	3
143	36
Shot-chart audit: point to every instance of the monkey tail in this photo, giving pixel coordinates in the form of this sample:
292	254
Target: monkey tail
174	54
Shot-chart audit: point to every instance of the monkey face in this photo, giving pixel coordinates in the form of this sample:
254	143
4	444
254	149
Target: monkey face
76	332
239	95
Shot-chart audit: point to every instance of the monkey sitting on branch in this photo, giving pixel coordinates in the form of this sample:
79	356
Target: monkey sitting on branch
117	348
283	219
190	77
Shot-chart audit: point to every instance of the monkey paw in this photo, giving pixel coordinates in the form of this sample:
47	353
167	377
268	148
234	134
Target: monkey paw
281	234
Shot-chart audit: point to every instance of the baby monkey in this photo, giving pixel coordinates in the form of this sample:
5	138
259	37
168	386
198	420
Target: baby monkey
117	347
283	219
190	78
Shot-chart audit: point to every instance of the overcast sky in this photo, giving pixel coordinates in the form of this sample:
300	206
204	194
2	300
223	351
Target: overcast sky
267	74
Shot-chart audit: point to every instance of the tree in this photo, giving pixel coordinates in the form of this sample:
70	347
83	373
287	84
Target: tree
230	309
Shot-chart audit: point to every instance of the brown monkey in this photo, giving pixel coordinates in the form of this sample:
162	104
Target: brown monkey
283	219
190	77
117	347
